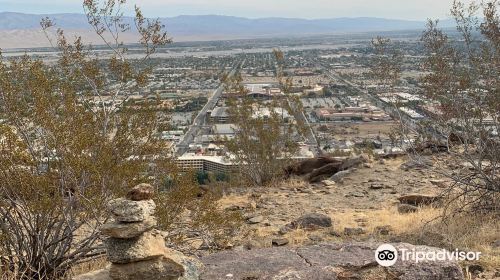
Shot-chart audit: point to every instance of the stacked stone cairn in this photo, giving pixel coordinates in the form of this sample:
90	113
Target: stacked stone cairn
135	249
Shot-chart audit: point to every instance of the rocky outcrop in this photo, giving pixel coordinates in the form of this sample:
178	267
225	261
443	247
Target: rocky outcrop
326	261
135	249
317	169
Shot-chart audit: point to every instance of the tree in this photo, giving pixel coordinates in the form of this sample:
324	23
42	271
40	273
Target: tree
67	144
70	141
462	84
265	139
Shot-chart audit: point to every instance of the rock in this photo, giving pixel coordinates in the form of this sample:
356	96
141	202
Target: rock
233	208
312	221
328	170
102	274
355	194
376	186
171	265
141	192
334	233
322	262
353	231
340	175
148	246
475	269
255	220
280	242
285	229
383	230
414	164
128	230
496	244
315	238
439	183
125	210
406	208
417	199
254	244
327	183
161	268
308	165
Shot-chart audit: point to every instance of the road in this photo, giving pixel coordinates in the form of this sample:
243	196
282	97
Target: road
199	121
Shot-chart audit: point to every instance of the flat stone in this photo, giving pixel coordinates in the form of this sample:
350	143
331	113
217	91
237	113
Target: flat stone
255	220
337	177
162	268
128	230
322	262
148	246
439	183
280	242
355	194
125	210
171	265
141	192
376	186
328	183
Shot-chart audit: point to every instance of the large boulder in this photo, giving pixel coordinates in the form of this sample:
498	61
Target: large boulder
312	221
326	261
148	246
308	165
128	230
125	210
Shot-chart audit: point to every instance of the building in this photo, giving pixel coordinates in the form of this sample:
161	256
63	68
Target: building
412	113
263	90
370	113
265	113
216	164
219	115
224	129
172	135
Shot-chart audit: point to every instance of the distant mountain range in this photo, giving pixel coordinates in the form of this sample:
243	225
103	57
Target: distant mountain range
213	27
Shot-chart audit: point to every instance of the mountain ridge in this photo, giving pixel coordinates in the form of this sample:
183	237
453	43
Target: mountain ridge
24	29
14	20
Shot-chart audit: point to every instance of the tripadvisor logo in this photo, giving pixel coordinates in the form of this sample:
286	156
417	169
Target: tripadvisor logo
387	255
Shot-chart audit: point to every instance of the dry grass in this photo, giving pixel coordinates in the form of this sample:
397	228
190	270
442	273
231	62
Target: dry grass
463	232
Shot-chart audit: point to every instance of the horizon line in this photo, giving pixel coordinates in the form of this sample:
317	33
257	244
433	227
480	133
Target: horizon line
242	17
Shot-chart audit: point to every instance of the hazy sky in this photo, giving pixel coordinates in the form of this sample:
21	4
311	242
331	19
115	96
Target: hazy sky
398	9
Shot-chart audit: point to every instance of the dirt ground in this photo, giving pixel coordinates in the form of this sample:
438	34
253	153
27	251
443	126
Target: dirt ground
364	201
